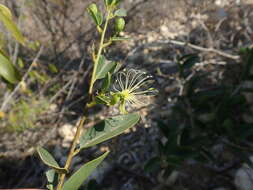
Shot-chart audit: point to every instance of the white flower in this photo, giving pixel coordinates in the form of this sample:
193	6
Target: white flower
133	87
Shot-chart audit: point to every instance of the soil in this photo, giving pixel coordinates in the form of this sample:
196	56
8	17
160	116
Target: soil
150	24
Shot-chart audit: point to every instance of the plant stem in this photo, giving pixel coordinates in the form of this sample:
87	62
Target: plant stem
71	153
101	47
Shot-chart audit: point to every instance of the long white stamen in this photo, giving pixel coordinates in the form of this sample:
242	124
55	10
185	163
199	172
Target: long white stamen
140	83
119	77
132	85
143	92
137	76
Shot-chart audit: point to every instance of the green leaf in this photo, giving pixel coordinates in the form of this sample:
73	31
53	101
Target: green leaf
7	70
6	18
76	180
50	175
104	67
20	63
49	160
95	14
120	38
102	99
50	187
120	12
111	2
115	99
52	68
108	129
39	76
106	82
5	11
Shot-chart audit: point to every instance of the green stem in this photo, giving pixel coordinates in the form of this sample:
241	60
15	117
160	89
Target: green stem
101	47
73	151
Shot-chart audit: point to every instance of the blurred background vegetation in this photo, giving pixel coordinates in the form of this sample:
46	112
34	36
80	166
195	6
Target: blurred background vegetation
195	134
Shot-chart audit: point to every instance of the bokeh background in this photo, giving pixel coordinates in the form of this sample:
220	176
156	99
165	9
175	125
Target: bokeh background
46	109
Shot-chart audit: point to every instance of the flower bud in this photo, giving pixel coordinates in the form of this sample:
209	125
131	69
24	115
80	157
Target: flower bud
119	24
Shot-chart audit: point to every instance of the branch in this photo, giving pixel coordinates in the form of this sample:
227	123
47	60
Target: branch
180	43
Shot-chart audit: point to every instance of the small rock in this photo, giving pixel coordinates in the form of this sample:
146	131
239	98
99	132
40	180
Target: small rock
244	177
172	178
67	132
53	107
164	30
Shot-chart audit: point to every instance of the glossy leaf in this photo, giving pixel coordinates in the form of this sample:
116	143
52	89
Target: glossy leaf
49	160
76	180
108	129
7	70
104	67
6	18
120	12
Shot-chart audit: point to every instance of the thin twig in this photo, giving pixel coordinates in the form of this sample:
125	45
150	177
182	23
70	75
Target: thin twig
221	53
180	43
63	89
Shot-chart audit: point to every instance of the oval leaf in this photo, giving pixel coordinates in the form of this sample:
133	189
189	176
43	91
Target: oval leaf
49	160
104	67
106	82
120	12
7	70
6	18
108	129
76	180
5	11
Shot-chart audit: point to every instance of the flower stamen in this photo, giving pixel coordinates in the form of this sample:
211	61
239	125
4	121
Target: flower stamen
133	87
